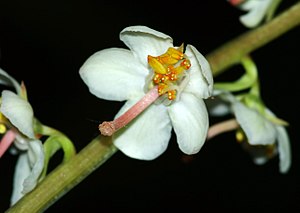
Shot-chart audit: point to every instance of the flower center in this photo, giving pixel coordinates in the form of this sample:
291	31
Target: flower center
167	81
169	72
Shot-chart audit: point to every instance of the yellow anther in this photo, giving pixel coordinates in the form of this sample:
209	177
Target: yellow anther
162	88
172	75
157	78
2	128
156	65
186	64
168	70
171	94
239	136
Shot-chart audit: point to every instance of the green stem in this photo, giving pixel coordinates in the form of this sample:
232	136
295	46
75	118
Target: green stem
68	175
232	52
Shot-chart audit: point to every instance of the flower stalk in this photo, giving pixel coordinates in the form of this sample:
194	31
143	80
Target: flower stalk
68	175
233	51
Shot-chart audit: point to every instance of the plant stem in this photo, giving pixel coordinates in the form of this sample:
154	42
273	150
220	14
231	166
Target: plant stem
68	175
232	52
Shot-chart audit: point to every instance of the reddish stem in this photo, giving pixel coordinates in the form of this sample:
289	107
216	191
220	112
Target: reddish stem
6	141
222	127
107	128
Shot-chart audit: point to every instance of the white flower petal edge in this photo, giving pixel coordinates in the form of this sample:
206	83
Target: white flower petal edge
284	149
201	79
144	41
28	169
113	74
257	11
190	122
36	160
146	137
22	170
18	111
6	79
258	129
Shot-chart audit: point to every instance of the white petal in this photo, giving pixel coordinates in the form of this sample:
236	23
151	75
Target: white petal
217	108
284	149
147	136
260	160
21	142
219	105
22	170
113	74
144	41
201	79
250	4
36	160
257	11
258	129
190	121
6	79
18	111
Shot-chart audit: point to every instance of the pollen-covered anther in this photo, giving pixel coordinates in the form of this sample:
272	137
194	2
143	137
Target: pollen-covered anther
172	95
186	64
162	89
172	76
157	78
169	71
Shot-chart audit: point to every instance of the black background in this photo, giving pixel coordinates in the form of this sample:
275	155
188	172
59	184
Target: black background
44	43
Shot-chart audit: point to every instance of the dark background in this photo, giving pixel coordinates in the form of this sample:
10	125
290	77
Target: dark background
44	43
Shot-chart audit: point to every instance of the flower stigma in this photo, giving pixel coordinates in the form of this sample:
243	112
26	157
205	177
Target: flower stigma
163	85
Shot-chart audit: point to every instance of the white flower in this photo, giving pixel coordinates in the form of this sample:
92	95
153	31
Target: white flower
260	128
120	74
256	11
18	118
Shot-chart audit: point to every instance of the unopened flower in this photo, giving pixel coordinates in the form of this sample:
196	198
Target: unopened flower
16	122
257	10
261	132
175	79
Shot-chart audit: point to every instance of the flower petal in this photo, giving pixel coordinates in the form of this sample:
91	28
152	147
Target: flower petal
284	149
190	121
257	11
217	106
147	136
113	74
258	129
22	170
6	79
36	160
201	79
144	41
18	111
